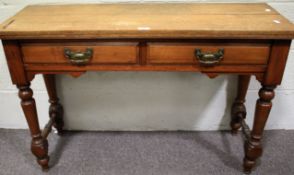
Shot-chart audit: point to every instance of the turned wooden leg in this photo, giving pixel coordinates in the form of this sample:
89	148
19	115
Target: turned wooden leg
253	147
39	145
55	109
238	112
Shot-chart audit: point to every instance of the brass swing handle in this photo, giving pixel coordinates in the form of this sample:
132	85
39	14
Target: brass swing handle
209	59
78	58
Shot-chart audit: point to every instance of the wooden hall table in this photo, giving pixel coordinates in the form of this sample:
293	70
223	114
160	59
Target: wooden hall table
242	39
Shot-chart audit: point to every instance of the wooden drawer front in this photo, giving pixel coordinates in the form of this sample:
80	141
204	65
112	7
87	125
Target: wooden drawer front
115	53
184	53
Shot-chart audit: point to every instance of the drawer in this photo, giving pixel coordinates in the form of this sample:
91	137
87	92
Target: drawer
184	53
101	52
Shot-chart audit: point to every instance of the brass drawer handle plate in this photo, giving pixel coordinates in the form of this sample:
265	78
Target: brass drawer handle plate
79	58
209	59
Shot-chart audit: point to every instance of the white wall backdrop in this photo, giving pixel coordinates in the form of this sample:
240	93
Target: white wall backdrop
144	100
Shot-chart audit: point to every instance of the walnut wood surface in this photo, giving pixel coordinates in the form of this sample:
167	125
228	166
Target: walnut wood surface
103	52
14	62
277	62
148	21
51	68
184	53
156	53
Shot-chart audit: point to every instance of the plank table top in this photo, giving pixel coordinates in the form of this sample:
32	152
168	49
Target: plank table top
215	20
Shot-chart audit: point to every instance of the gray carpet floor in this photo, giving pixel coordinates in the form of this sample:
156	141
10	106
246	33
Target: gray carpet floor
145	153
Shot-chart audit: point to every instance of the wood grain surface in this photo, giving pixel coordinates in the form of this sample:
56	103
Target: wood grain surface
148	21
184	53
103	52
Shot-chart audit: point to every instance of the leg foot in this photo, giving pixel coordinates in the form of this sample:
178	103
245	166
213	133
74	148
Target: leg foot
40	150
252	152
